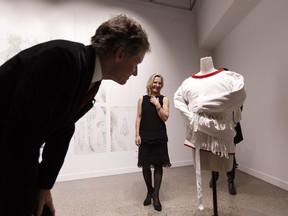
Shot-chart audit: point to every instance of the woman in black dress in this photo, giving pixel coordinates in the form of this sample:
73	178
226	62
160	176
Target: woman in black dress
151	137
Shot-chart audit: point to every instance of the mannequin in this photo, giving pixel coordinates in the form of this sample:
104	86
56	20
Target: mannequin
206	65
210	161
213	162
210	102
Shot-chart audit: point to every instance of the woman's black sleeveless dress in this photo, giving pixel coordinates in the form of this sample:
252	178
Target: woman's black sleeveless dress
153	149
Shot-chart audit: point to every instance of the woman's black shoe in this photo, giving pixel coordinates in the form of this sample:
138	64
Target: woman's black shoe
156	203
157	207
147	202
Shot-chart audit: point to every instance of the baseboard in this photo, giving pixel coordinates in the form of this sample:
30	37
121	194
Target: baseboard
101	173
267	178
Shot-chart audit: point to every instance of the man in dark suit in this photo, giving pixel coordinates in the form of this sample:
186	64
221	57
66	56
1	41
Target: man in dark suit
44	90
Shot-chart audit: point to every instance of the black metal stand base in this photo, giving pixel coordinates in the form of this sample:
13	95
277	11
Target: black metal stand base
215	207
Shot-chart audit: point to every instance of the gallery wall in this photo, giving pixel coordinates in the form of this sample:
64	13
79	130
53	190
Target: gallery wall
103	143
257	47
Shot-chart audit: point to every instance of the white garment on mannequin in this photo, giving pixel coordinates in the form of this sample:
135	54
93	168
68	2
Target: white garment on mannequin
210	103
205	160
210	161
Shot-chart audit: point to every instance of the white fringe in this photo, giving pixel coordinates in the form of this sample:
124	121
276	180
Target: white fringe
214	121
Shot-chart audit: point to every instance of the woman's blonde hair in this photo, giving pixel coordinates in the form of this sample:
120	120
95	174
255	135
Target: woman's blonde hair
151	80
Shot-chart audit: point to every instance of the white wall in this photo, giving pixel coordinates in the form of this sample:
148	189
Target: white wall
216	18
258	48
174	54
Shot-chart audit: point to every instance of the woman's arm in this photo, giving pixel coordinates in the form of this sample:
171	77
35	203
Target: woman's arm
163	111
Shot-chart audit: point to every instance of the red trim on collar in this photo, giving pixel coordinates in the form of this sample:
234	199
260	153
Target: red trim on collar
207	75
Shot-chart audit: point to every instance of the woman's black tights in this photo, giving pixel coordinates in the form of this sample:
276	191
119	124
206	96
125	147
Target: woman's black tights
147	174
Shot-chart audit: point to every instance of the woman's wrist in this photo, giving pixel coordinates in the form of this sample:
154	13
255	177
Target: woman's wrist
158	108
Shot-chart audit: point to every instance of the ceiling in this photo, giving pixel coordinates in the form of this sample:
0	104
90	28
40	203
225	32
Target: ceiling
180	4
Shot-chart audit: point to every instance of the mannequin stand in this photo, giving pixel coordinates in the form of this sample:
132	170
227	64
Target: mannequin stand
215	208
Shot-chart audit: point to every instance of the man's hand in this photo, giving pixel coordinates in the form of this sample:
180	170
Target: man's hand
44	197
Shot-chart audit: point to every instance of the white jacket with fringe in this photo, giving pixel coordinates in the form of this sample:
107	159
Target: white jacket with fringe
210	105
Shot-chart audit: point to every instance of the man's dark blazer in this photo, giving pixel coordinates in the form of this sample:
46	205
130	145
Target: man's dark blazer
41	90
239	136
